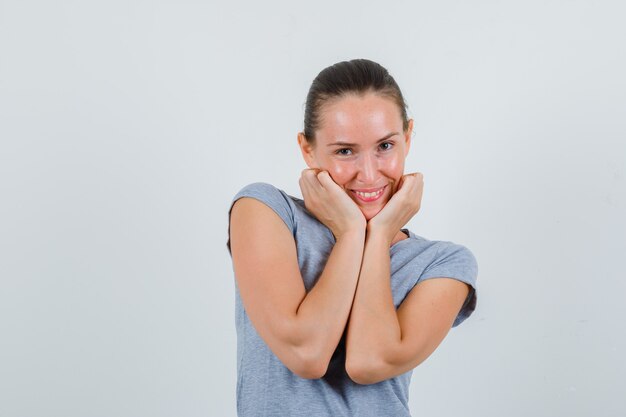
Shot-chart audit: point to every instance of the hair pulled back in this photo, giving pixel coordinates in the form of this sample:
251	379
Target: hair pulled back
358	76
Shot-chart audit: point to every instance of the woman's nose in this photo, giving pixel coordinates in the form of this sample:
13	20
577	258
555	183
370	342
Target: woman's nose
368	165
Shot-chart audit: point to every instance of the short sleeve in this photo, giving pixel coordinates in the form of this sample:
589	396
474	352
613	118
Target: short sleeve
458	262
272	197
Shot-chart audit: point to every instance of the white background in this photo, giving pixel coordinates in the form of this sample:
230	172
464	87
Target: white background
127	126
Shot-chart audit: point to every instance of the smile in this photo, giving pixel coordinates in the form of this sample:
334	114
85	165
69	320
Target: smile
369	195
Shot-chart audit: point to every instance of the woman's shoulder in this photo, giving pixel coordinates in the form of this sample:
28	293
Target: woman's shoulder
291	209
258	188
443	258
263	190
277	200
440	246
273	197
437	256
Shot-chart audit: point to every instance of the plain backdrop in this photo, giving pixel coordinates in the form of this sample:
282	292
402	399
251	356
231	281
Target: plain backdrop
127	127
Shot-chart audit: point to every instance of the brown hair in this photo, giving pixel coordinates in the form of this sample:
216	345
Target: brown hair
358	76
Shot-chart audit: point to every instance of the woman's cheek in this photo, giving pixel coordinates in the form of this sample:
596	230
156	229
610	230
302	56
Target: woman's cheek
394	169
340	173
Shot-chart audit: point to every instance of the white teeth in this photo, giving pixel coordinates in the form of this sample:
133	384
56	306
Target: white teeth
369	195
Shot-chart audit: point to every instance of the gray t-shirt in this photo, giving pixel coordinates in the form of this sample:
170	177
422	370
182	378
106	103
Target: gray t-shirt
265	387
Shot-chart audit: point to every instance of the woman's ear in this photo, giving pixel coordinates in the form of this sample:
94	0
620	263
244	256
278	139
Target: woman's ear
407	137
307	150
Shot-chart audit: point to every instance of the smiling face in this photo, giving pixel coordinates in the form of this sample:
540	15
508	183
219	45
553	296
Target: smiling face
362	145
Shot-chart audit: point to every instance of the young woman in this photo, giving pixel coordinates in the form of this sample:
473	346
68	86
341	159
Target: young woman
336	303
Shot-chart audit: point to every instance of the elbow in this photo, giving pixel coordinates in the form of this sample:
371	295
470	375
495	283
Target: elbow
365	371
309	365
363	375
310	371
306	357
368	367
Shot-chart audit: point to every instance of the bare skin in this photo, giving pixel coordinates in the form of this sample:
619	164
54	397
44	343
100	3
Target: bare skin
355	185
302	329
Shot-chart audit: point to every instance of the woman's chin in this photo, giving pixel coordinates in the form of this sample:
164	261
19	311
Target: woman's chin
370	212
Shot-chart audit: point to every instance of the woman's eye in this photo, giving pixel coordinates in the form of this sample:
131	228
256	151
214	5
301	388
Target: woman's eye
385	146
344	151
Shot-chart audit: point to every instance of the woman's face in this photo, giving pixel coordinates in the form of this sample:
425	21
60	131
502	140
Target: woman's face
360	142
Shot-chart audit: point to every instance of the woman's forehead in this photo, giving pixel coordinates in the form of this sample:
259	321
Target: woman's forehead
353	118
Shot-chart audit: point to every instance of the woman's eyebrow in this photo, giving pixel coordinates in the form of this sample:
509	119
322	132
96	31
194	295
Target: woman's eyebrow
342	143
387	136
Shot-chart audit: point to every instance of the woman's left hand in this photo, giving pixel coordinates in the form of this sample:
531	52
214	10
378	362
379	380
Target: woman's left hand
400	208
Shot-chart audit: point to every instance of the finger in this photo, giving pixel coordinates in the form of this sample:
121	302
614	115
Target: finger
310	176
313	170
417	175
309	181
326	180
413	179
403	181
418	180
309	171
304	187
303	183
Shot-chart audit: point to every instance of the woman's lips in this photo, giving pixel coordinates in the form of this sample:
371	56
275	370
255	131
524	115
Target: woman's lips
370	194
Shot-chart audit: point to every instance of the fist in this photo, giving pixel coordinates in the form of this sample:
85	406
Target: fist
329	203
401	207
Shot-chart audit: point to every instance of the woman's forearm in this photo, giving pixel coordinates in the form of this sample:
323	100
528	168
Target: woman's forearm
322	315
373	330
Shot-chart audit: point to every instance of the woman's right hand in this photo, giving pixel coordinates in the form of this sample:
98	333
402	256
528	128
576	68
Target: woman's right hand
329	203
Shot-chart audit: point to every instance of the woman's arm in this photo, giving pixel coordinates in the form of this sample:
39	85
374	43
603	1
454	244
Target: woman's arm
382	342
301	329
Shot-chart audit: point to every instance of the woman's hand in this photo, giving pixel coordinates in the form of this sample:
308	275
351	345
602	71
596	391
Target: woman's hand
329	203
400	208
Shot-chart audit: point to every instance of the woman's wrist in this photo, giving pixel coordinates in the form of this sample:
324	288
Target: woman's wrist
375	232
356	233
